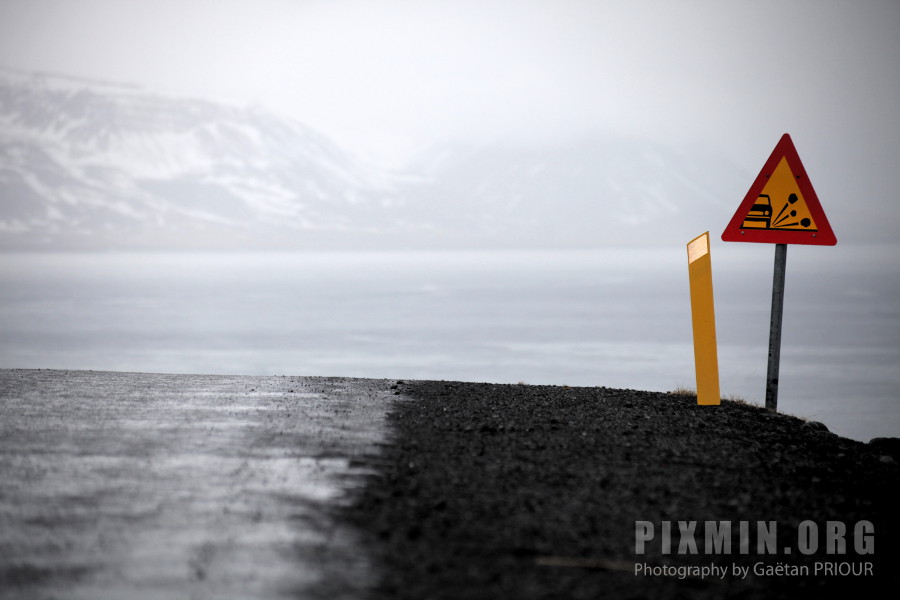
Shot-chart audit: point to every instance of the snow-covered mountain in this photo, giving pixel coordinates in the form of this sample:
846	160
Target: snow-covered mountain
91	165
596	191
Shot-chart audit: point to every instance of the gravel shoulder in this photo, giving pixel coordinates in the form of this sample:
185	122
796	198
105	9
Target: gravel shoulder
520	491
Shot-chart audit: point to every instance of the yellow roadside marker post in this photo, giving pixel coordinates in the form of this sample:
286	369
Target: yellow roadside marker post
706	358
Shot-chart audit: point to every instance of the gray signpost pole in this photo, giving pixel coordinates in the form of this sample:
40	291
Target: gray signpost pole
775	327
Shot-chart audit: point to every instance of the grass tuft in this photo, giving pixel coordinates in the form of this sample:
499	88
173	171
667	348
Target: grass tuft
680	390
737	399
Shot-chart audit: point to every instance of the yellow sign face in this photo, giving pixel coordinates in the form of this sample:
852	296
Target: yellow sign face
780	204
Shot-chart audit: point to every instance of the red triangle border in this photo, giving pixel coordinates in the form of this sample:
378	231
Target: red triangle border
824	236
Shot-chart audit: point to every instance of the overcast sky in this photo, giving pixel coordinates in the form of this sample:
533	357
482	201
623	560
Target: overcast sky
386	77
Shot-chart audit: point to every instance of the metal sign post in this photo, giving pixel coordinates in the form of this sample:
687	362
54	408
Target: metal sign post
780	208
775	327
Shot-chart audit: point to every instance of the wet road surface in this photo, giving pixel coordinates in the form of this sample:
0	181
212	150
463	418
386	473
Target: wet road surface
122	485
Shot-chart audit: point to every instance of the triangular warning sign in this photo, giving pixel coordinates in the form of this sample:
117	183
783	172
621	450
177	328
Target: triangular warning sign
781	206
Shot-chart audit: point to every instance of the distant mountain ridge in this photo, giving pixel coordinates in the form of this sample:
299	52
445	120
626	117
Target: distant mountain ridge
93	166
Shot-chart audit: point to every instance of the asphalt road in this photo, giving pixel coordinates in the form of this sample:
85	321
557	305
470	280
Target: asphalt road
122	485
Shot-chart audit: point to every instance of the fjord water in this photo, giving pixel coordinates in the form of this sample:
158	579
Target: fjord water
609	317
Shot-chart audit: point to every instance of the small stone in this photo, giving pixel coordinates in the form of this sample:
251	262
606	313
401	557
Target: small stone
885	444
814	426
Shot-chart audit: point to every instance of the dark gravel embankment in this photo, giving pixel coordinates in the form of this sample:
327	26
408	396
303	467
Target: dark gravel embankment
514	491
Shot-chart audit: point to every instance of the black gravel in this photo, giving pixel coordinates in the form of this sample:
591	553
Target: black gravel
519	491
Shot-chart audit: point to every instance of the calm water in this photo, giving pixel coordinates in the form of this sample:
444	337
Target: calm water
598	317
